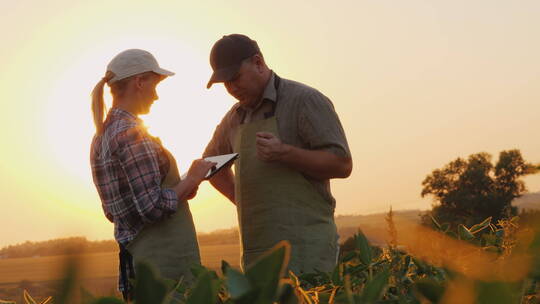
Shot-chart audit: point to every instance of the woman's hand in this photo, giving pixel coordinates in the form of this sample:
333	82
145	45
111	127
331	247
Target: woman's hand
193	193
198	170
187	188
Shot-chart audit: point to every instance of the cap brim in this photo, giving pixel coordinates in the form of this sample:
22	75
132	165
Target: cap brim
223	75
163	72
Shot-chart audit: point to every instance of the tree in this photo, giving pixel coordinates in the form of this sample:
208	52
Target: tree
468	191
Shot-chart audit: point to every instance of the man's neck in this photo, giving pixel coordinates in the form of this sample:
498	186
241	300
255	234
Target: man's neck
255	104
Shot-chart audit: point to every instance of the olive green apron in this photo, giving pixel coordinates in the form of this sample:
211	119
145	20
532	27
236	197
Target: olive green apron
277	203
170	245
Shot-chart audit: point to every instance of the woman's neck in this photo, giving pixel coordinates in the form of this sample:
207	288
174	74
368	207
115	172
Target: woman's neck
126	105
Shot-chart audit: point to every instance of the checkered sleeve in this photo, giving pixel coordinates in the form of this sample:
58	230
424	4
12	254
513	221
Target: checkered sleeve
138	157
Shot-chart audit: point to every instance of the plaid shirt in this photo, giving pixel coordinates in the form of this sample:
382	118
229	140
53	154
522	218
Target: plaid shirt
128	166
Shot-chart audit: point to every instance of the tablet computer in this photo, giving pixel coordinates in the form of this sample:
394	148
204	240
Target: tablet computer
222	162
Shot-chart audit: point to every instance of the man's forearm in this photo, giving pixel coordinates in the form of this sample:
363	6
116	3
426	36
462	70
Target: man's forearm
223	181
316	163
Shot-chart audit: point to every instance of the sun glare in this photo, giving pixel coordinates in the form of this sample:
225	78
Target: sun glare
183	117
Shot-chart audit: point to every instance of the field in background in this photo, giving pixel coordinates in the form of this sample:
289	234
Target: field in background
40	275
95	265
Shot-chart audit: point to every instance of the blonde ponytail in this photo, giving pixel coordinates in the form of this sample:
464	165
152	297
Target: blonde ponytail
98	104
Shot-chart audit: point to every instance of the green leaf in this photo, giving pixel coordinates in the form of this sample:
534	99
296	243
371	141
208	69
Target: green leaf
205	291
374	288
224	266
430	289
490	239
237	284
349	256
464	233
355	270
265	274
479	227
197	270
422	267
362	244
337	279
148	288
435	223
445	227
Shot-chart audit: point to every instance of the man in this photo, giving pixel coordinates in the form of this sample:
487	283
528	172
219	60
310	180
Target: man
291	143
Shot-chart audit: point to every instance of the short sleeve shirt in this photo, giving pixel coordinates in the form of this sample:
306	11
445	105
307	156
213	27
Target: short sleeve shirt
305	119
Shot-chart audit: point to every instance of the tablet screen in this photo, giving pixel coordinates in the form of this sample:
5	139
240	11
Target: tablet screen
221	160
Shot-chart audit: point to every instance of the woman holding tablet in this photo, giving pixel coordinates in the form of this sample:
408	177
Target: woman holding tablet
137	178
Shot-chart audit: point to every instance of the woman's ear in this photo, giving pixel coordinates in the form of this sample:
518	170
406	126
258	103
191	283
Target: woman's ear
138	81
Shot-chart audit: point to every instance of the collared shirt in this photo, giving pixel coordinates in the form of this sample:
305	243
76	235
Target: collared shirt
128	166
305	119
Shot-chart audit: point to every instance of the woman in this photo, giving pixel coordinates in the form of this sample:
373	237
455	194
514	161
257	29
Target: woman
137	178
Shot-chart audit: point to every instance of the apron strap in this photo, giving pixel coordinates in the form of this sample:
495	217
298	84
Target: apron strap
277	81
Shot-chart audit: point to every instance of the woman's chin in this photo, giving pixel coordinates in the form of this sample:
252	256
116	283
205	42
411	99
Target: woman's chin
145	111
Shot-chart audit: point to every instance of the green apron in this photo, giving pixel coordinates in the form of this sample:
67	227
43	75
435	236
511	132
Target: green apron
169	245
277	203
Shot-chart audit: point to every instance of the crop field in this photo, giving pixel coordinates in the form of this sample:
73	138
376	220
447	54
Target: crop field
98	270
488	262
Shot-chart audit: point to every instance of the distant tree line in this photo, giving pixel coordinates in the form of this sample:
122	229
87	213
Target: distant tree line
72	245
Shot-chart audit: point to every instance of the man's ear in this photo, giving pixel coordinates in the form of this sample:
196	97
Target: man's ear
258	60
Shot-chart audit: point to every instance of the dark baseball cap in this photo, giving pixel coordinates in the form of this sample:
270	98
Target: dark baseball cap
227	55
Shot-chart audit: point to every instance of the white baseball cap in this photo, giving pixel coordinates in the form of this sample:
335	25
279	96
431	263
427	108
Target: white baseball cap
132	62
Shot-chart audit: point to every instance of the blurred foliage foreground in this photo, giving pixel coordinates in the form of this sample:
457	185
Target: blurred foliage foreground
485	263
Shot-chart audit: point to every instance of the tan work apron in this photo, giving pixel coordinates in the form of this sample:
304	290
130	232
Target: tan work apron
169	245
277	203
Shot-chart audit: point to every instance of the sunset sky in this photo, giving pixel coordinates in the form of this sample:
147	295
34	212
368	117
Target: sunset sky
416	84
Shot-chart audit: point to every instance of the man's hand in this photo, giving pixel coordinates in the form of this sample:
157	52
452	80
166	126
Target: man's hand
269	147
318	164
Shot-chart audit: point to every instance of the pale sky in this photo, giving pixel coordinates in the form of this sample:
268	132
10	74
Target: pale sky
416	84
